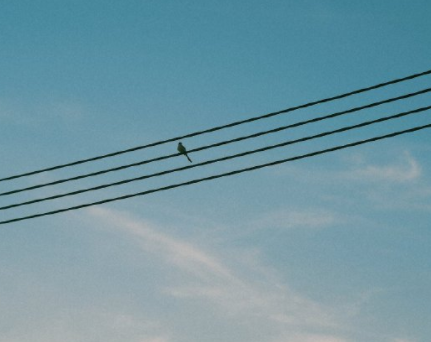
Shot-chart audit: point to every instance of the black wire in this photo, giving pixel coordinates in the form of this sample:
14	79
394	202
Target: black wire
234	156
217	128
278	129
199	180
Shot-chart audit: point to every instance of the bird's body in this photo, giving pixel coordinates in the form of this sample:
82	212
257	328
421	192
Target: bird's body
183	150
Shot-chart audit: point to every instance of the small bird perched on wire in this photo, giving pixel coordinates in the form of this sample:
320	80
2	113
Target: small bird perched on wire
183	150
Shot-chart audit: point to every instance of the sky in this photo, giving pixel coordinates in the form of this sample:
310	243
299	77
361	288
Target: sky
333	248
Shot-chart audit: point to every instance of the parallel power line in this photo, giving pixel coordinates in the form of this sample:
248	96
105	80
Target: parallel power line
225	142
221	175
234	156
218	128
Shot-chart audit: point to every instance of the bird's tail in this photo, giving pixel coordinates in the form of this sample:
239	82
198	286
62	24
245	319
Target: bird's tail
189	158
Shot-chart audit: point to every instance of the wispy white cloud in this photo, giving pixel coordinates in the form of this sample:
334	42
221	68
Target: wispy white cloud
400	184
91	324
239	286
312	338
406	169
154	339
298	219
238	289
393	168
395	181
179	253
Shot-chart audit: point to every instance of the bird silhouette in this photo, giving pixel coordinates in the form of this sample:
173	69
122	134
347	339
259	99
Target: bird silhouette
183	150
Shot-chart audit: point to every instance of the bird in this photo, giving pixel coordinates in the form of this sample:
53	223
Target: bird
183	150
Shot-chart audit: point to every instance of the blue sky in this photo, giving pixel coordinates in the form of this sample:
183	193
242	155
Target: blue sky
329	249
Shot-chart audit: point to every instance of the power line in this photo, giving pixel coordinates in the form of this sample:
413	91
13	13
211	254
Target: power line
199	180
234	156
217	128
255	135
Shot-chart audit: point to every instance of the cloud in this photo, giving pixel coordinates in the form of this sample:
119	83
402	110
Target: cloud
298	218
390	168
407	169
179	253
237	287
399	185
155	339
313	338
394	181
90	324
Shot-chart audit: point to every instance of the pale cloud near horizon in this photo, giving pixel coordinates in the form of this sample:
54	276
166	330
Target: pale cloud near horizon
154	339
313	338
89	324
222	283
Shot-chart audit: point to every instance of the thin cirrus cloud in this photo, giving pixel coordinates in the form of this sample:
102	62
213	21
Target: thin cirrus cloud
243	292
298	219
394	180
406	169
358	167
401	184
313	338
89	324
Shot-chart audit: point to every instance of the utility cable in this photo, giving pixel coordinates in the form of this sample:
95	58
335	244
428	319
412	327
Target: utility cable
255	135
234	156
217	128
221	175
